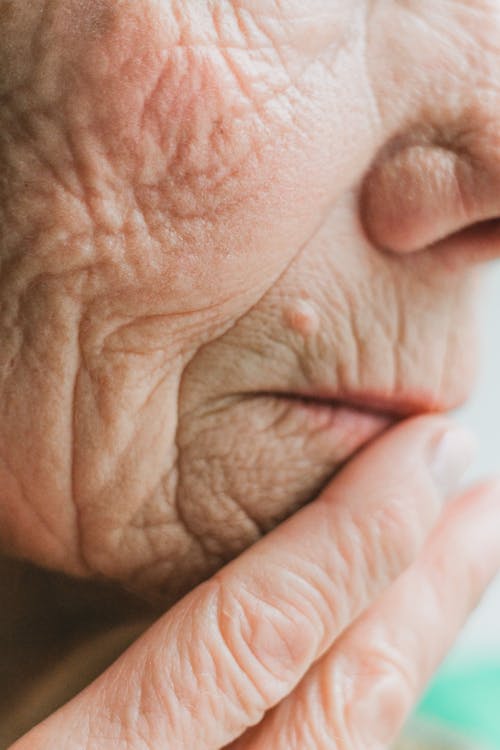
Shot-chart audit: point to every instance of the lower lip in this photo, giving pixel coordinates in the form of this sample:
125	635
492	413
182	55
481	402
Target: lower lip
347	428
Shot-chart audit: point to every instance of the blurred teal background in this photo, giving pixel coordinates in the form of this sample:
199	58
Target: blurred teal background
483	415
465	696
466	692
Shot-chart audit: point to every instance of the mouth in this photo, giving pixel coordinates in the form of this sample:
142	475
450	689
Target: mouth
392	408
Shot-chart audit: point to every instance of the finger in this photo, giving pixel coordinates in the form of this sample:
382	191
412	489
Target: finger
237	645
361	692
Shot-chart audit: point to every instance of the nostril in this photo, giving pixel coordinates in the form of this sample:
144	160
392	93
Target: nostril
487	229
476	243
480	232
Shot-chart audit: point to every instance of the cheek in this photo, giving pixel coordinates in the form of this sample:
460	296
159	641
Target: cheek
220	186
195	186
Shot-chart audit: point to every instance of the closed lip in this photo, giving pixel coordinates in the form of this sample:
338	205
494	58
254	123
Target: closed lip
383	405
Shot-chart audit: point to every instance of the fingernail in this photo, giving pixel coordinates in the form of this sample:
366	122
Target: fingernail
451	456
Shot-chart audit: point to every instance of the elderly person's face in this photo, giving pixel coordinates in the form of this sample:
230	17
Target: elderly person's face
237	241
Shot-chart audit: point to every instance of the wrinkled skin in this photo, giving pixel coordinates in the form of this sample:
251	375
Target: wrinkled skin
204	205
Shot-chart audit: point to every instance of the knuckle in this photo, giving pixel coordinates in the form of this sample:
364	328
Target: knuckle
319	723
309	730
382	693
271	641
372	551
396	534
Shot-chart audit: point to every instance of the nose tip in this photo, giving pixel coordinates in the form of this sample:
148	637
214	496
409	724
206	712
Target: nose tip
421	194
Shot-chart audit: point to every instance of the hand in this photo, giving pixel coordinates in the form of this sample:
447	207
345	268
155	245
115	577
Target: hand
307	640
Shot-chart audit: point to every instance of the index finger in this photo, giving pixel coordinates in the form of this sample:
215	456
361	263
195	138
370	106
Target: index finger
238	644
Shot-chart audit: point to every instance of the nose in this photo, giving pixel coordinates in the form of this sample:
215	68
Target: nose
424	189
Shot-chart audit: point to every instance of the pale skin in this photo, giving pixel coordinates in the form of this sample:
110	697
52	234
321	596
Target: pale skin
208	211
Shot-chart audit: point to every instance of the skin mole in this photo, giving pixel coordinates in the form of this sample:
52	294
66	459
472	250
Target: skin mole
302	317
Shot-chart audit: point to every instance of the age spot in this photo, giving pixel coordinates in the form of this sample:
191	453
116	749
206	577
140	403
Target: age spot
302	318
